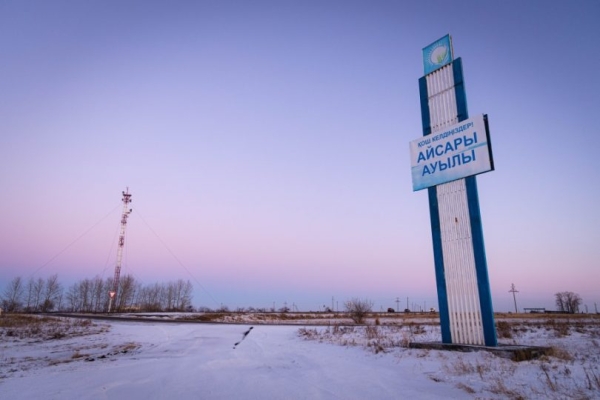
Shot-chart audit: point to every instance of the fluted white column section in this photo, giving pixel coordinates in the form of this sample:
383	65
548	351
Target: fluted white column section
457	246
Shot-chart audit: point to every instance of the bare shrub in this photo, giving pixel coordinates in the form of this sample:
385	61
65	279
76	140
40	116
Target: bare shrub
308	333
480	368
77	355
560	353
406	339
423	353
371	332
127	347
561	329
498	387
358	309
466	388
460	367
336	329
376	346
504	330
55	362
342	330
57	335
416	329
551	384
593	381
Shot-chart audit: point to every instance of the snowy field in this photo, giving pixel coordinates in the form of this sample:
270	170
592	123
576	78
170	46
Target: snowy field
62	358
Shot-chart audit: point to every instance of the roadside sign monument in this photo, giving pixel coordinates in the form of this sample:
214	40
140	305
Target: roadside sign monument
445	160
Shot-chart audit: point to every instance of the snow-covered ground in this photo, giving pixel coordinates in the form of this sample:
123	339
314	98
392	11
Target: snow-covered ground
79	359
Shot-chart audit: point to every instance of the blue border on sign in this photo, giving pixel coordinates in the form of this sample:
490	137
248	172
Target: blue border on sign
481	270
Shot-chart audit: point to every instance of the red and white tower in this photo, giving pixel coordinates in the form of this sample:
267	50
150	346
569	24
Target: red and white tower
126	211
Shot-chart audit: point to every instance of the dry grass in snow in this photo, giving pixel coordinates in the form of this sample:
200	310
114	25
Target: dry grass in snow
570	371
57	337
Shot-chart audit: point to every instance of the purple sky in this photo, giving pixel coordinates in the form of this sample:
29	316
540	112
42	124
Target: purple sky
266	145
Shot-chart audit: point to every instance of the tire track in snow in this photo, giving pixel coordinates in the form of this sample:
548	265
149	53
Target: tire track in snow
243	337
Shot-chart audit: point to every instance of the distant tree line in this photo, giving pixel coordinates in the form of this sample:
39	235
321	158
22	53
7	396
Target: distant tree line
92	295
567	302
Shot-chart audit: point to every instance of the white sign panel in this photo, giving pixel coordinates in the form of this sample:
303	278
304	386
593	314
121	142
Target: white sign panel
456	152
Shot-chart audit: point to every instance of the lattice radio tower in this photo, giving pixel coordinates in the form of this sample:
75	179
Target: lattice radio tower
126	211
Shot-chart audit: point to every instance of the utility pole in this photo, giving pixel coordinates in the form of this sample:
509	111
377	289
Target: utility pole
407	304
513	291
126	211
398	304
596	307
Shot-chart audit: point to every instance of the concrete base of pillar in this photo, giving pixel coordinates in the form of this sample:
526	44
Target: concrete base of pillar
510	351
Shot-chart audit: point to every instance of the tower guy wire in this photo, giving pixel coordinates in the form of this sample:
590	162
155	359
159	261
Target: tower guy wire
176	258
73	242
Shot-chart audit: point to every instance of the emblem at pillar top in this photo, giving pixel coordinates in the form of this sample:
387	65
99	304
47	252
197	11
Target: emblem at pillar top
437	54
